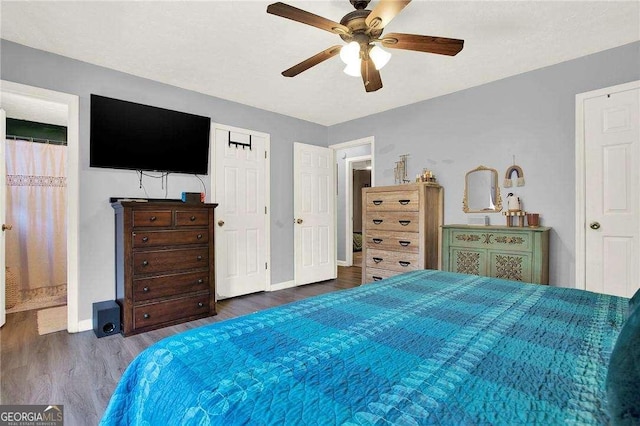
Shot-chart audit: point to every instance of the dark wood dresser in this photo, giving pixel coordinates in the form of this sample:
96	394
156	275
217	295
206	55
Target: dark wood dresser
164	263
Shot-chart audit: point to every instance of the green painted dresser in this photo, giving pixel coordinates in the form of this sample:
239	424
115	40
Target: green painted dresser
513	253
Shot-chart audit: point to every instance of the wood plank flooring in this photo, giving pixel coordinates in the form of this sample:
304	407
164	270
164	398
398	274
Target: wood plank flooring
81	371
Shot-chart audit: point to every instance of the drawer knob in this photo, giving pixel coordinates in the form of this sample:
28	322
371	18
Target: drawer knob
199	236
199	258
200	304
377	240
376	278
404	222
404	263
404	243
377	202
145	263
146	289
200	281
192	218
404	202
146	316
152	219
377	221
145	239
377	259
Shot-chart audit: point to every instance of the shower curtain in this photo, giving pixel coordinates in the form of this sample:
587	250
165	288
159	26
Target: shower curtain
36	248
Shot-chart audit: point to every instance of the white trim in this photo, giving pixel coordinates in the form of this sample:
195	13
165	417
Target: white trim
85	325
348	201
282	285
267	189
73	188
343	263
580	224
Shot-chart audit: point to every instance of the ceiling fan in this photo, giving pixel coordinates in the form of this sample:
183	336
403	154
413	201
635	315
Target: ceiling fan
362	29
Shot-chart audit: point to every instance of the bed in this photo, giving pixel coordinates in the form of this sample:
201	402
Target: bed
426	347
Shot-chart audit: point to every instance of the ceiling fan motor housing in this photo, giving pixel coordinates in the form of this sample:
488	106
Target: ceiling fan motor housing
355	21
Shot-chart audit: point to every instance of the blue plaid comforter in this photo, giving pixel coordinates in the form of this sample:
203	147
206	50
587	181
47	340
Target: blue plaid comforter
427	347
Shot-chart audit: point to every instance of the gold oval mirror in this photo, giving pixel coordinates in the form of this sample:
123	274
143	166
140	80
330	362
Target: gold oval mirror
481	191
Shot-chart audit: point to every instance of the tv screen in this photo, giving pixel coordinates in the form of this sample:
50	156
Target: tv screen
127	135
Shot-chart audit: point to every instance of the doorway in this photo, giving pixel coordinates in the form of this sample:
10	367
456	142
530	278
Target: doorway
360	152
35	161
358	177
47	97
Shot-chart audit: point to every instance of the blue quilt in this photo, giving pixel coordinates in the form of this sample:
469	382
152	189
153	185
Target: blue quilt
426	347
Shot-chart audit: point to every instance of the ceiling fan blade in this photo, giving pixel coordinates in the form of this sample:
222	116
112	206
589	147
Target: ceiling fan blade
299	15
420	43
370	76
312	61
384	12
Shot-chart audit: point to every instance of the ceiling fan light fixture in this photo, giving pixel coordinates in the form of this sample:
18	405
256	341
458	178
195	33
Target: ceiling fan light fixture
379	57
353	69
350	53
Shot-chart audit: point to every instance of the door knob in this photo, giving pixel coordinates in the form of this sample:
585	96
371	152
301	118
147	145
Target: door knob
594	225
7	227
220	222
299	221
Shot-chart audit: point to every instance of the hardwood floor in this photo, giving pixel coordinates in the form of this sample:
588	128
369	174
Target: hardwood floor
81	371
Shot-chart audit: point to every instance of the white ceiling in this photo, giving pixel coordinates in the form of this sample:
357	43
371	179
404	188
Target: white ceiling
236	51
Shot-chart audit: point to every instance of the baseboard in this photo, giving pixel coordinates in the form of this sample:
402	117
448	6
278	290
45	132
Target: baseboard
85	325
282	285
342	263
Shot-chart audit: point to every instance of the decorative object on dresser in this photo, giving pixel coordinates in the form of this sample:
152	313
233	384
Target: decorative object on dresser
164	263
481	191
400	170
401	229
520	254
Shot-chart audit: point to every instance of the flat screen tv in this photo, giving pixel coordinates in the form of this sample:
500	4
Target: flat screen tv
127	135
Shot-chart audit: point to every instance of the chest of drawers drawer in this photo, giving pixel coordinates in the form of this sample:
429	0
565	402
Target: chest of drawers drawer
161	286
392	221
154	218
393	260
170	310
192	218
393	240
169	237
155	261
393	201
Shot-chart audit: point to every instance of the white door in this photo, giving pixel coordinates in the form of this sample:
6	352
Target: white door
3	213
612	197
314	187
241	189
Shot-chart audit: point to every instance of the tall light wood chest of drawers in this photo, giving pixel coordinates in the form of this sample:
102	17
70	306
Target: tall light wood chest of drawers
164	263
513	253
401	229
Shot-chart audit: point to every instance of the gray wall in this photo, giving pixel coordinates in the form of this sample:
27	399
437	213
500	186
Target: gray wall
341	158
32	67
530	116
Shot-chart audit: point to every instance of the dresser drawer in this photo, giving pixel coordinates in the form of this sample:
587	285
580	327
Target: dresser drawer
392	221
171	310
169	237
374	274
393	240
393	201
489	239
393	260
169	285
154	261
198	217
143	218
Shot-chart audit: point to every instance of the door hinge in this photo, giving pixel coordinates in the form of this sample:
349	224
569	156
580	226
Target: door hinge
265	154
266	266
265	209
